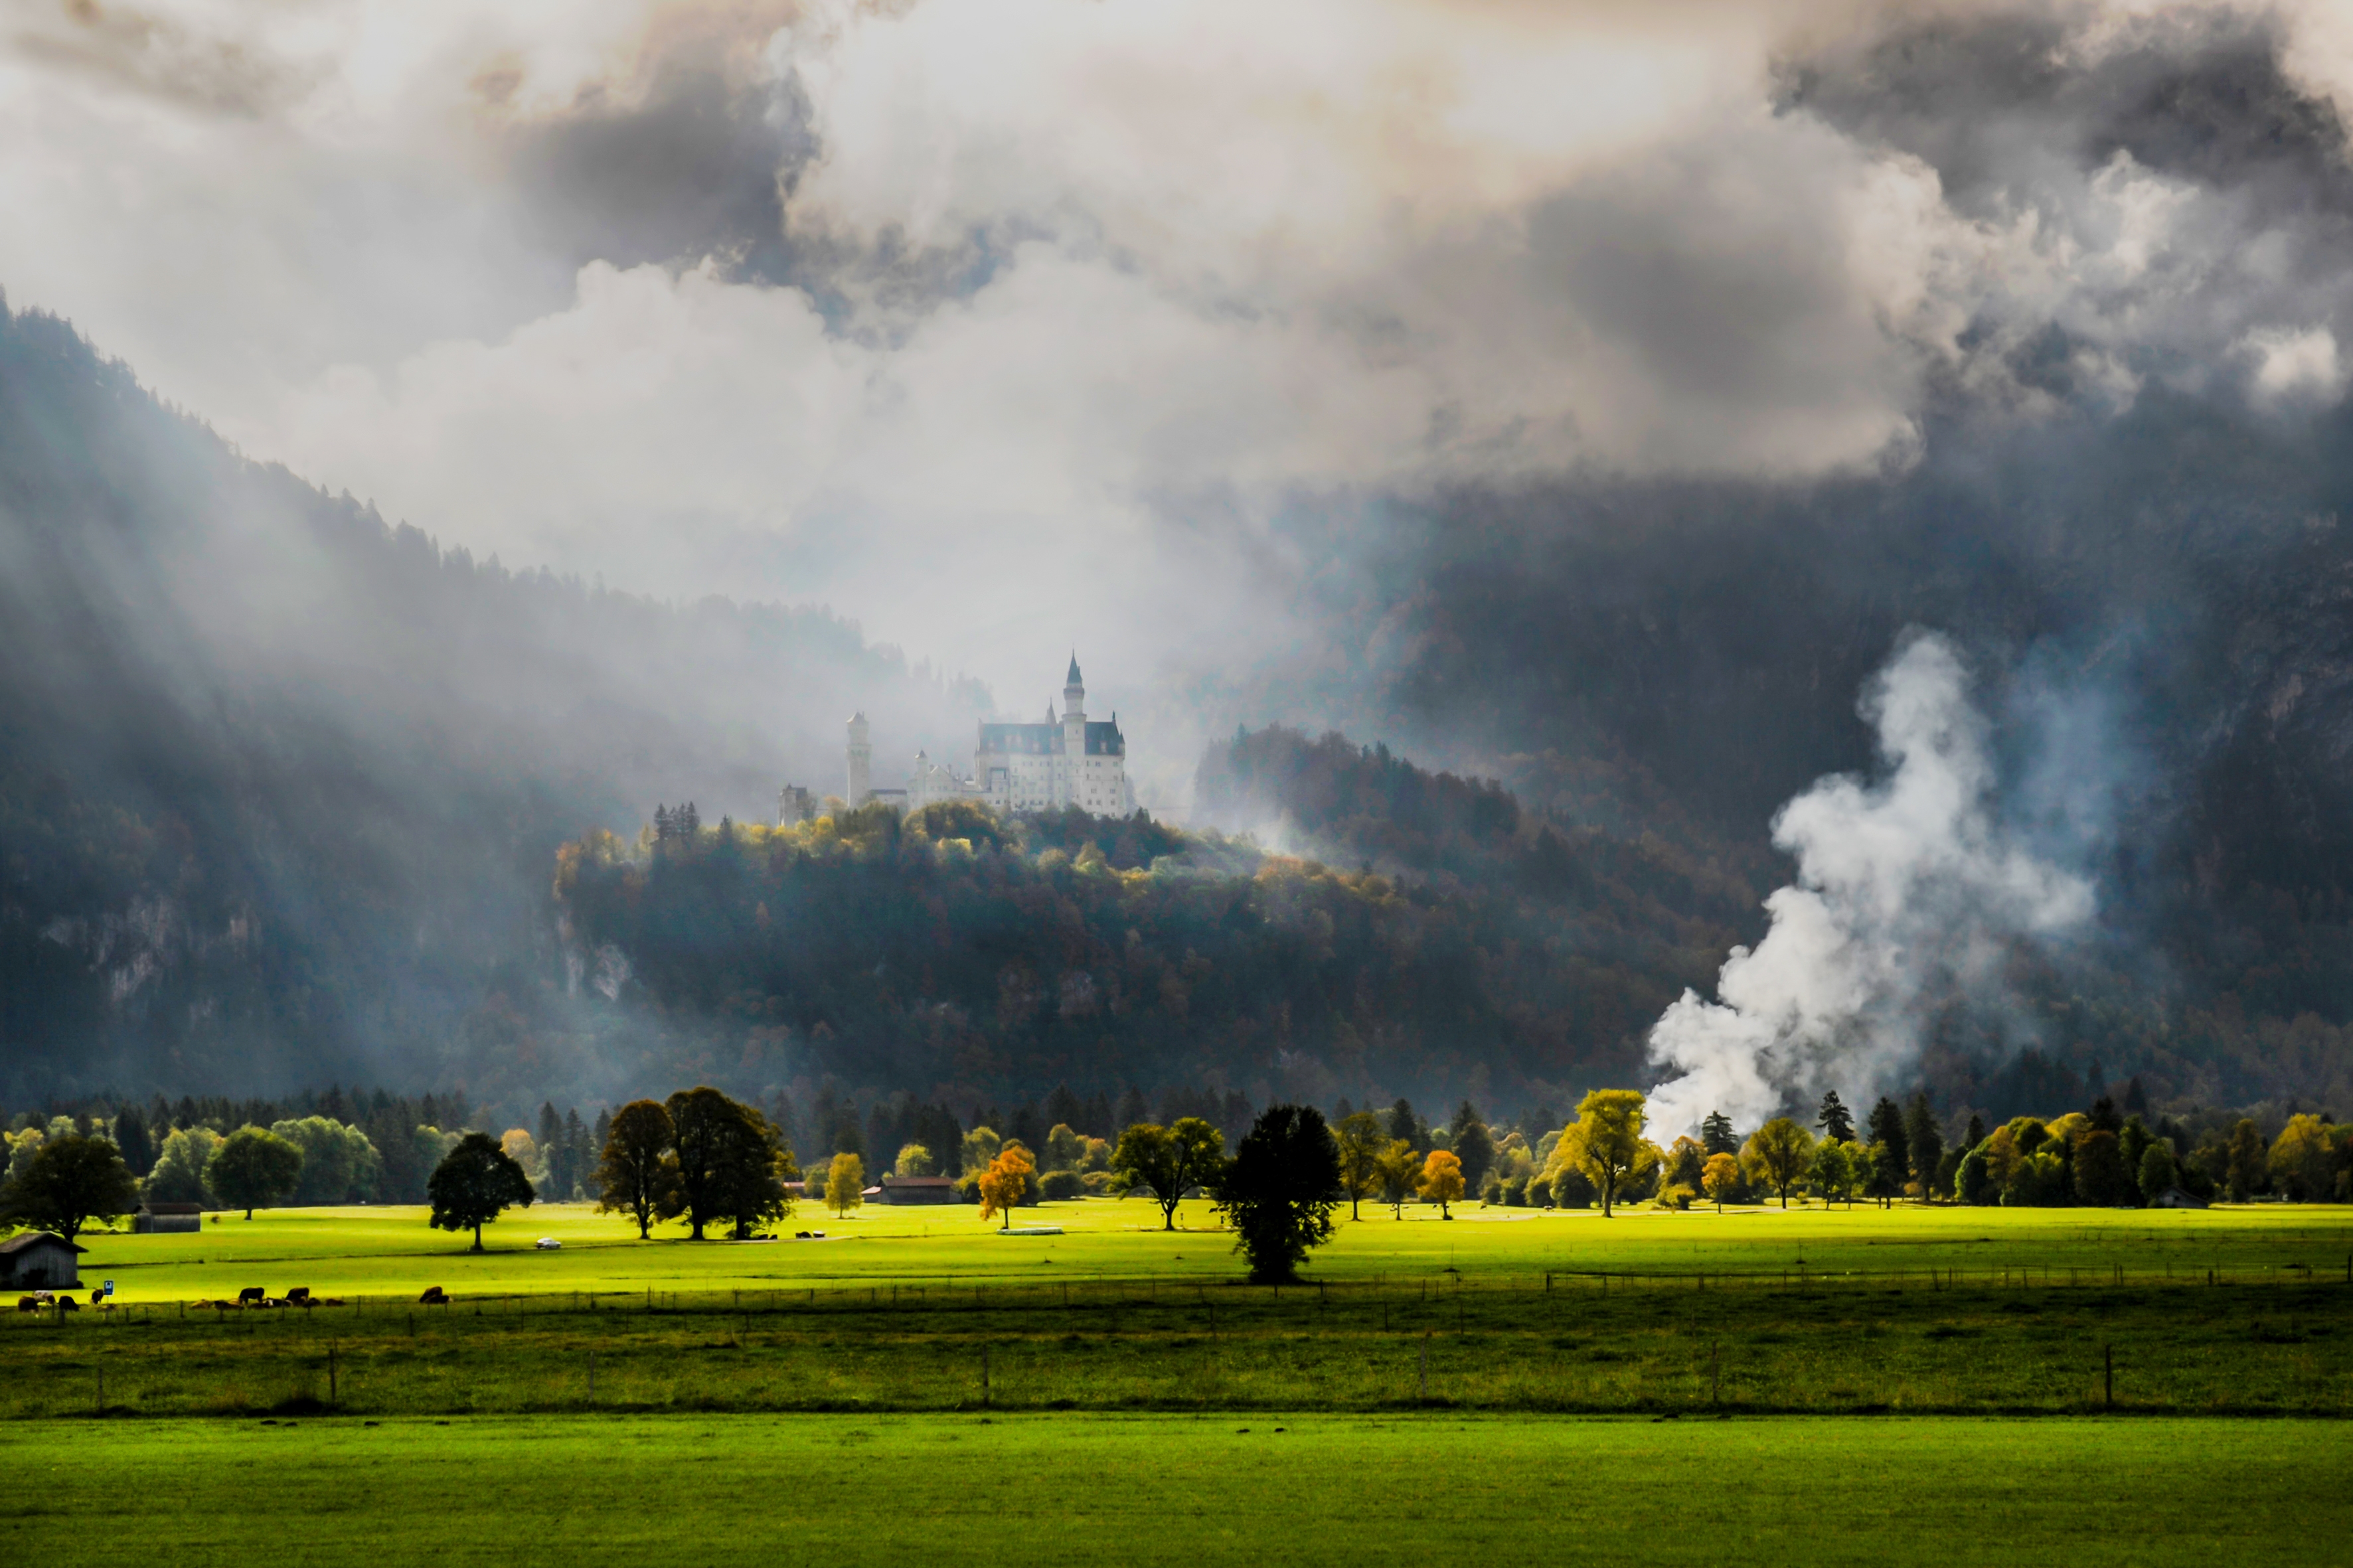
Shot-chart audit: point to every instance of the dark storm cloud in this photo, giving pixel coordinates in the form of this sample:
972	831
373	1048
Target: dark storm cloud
1990	101
696	166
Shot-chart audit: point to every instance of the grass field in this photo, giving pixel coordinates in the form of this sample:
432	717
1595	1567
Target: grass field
391	1251
1908	1309
1161	1488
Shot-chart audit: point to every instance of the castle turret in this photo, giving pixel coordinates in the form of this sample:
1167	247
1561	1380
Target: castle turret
1074	735
861	762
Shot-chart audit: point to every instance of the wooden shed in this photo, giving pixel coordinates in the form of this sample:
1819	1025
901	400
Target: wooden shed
40	1260
918	1190
168	1219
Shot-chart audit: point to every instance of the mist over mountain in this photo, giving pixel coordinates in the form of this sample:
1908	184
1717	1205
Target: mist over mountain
282	784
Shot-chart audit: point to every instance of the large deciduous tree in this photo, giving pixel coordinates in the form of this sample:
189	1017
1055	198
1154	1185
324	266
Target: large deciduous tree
726	1150
1360	1141
252	1169
845	1184
1278	1190
1170	1162
1399	1171
1441	1182
70	1182
474	1183
1003	1185
1720	1178
1778	1154
635	1174
1605	1141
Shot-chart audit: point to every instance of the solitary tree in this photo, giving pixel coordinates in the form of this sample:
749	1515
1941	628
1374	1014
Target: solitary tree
635	1175
1170	1162
1716	1135
845	1184
1441	1182
1605	1141
1836	1122
473	1184
1720	1179
1004	1182
1278	1190
1778	1153
252	1169
1360	1141
69	1183
1399	1171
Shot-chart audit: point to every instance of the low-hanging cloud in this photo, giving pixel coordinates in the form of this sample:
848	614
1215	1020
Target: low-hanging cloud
1906	886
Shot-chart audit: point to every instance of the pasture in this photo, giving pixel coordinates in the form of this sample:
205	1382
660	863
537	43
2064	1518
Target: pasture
1812	1311
1268	1490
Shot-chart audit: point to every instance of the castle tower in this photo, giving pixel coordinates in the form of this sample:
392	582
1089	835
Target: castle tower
861	762
1074	733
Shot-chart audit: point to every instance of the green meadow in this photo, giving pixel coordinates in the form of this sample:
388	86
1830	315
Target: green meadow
391	1251
1281	1489
1910	1309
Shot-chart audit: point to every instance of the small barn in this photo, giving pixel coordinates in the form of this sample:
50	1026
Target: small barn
918	1190
2175	1198
168	1219
38	1260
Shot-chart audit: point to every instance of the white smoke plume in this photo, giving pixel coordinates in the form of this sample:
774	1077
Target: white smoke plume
1902	883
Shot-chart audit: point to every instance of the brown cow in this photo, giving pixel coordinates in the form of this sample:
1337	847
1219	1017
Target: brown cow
252	1296
434	1297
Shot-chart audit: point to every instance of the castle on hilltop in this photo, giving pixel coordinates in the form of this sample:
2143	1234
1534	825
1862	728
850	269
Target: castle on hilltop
1065	761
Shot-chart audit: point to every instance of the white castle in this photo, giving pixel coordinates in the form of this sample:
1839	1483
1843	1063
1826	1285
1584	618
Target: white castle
1070	761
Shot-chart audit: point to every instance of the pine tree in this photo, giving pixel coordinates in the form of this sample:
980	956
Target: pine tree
1888	1131
553	1151
1924	1143
1835	1120
1716	1136
1132	1108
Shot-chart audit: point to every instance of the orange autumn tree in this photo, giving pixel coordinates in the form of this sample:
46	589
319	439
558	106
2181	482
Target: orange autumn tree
1441	1181
1004	1182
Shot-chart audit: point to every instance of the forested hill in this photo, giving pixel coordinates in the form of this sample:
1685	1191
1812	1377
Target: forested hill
282	784
962	957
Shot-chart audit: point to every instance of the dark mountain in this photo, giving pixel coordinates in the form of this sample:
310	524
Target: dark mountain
281	784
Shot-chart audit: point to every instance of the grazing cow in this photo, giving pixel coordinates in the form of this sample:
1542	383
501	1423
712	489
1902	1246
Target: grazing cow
252	1296
434	1297
68	1304
299	1297
29	1303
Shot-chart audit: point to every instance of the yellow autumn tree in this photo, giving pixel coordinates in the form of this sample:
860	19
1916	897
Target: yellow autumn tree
1606	1140
1004	1182
845	1184
1720	1178
1441	1182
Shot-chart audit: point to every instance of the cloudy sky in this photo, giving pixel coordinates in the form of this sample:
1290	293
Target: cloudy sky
1006	326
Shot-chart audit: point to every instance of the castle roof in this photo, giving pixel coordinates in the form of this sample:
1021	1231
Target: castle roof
1073	680
1103	739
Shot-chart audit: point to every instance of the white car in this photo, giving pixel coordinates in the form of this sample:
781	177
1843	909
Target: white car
548	1243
